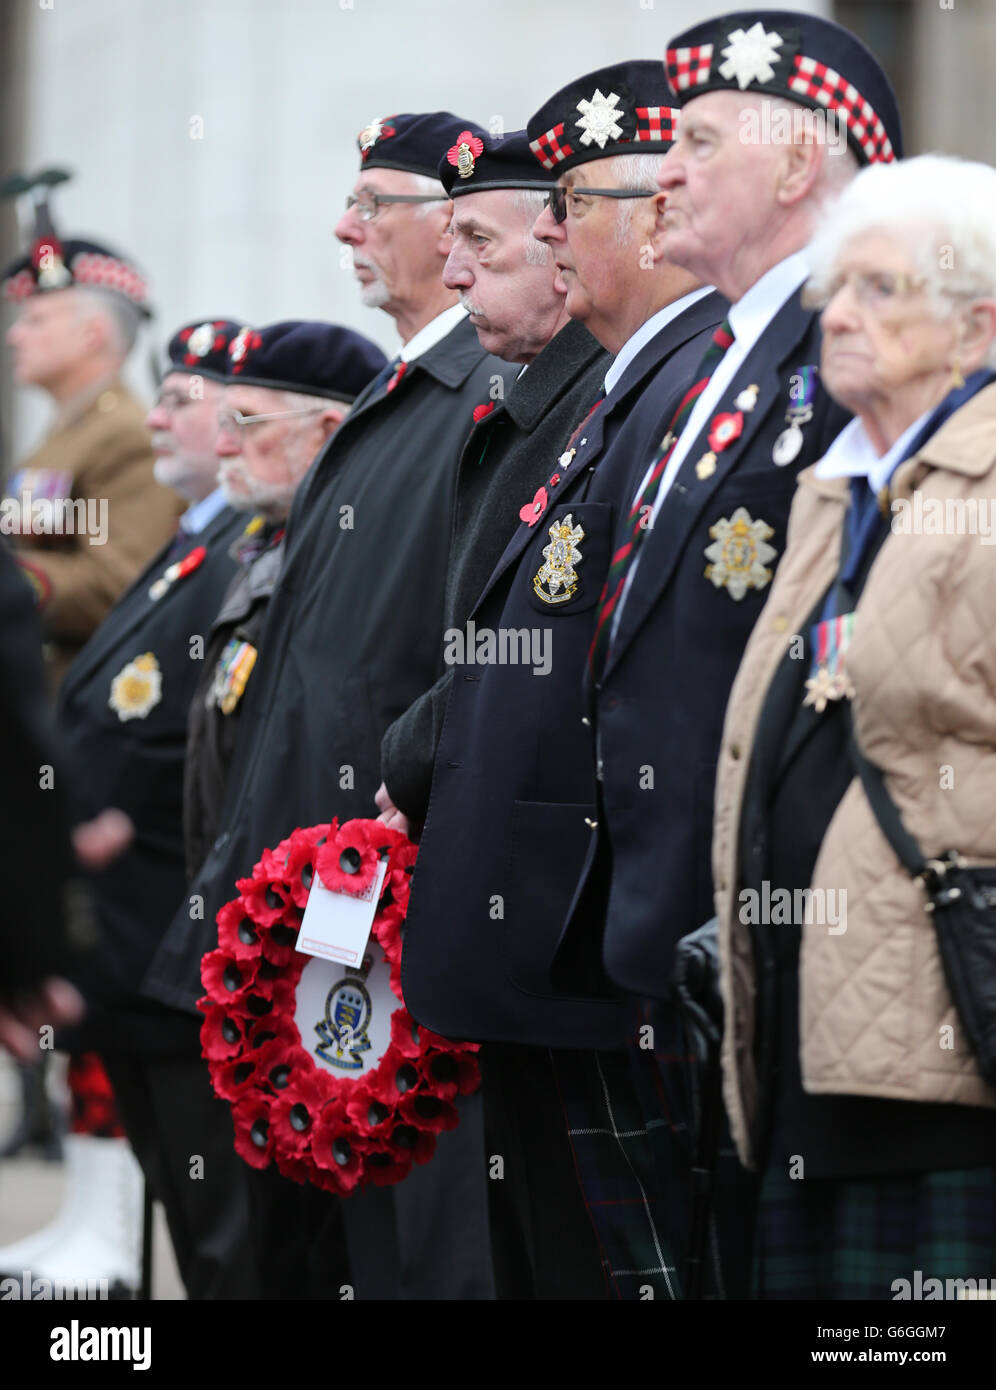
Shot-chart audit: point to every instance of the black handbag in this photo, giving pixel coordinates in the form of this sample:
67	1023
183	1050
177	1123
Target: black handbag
962	903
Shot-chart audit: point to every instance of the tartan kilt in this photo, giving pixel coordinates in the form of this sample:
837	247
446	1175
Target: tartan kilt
831	1238
616	1165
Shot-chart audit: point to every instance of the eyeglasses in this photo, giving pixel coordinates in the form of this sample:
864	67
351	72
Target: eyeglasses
367	205
556	199
234	419
878	290
172	401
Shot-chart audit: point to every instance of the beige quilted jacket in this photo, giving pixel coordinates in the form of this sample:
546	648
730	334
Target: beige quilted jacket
874	1010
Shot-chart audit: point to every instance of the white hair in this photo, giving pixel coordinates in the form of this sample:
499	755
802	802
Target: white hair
530	202
300	400
422	183
633	171
124	318
942	209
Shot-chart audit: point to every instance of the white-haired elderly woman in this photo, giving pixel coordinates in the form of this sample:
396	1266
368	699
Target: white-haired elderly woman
847	1075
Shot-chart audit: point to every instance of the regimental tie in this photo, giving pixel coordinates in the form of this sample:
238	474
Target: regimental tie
642	508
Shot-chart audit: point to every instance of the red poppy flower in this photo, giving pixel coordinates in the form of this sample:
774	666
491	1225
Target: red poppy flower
253	1130
725	429
272	866
296	1111
298	1170
347	862
235	1078
406	1141
222	1034
533	510
481	411
427	1112
338	1150
226	979
406	1035
301	859
368	1115
265	902
238	934
449	1074
384	1166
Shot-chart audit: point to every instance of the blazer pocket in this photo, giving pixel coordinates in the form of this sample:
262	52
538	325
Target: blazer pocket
549	842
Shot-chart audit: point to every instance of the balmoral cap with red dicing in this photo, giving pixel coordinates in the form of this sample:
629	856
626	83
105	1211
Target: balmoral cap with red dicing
54	263
623	109
409	141
799	57
201	348
478	161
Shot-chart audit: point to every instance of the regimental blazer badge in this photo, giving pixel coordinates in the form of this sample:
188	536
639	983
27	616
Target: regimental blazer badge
556	579
137	689
343	1030
739	554
232	674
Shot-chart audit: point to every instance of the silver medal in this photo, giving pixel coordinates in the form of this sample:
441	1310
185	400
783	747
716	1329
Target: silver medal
787	446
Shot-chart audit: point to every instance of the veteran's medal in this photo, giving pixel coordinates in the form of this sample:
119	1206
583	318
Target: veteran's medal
789	443
231	675
828	678
137	688
556	579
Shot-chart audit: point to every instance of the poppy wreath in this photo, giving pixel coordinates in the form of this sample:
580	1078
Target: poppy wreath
336	1132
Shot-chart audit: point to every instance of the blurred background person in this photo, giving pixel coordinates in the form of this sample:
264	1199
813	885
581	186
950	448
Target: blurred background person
835	1053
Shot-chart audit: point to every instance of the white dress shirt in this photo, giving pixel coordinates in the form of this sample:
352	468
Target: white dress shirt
649	330
433	332
748	319
852	454
202	513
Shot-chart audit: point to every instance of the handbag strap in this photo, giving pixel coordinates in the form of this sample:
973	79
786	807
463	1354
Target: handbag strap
884	808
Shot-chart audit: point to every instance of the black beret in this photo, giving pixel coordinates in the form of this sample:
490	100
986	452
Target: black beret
54	263
201	348
622	109
409	141
317	359
477	161
800	57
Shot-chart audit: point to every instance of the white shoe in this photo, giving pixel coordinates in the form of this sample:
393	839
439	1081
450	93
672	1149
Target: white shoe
97	1234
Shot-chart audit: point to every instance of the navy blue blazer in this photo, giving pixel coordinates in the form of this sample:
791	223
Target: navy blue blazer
513	785
657	712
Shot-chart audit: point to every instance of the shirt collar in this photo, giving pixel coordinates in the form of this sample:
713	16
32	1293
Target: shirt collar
202	513
752	313
649	330
433	332
852	454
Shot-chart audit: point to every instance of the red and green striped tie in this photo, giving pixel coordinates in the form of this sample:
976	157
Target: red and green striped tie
623	559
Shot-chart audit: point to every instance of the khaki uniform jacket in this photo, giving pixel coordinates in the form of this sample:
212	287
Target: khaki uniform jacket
105	454
873	1002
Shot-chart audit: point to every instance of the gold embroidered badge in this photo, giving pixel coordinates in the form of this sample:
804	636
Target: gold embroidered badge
556	579
739	554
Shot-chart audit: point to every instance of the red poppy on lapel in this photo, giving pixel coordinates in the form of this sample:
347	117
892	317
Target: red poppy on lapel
725	429
480	411
533	510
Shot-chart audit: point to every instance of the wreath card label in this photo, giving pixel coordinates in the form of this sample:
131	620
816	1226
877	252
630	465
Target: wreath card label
337	925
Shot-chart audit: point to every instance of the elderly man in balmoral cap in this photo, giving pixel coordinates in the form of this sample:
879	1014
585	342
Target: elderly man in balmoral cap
513	792
352	637
153	1052
778	110
505	278
80	307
